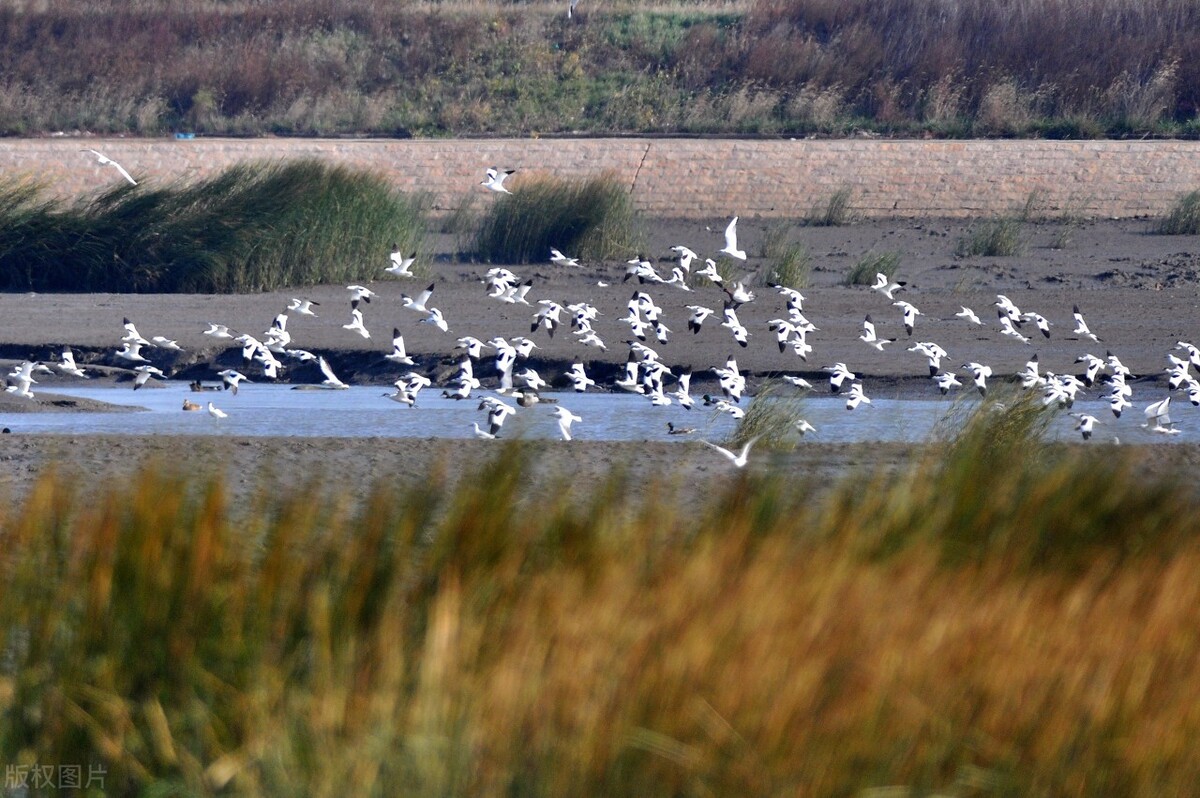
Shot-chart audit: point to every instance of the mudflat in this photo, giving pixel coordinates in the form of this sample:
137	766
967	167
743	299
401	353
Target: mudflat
1137	291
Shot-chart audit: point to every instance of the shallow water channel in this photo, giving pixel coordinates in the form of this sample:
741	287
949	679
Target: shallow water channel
364	411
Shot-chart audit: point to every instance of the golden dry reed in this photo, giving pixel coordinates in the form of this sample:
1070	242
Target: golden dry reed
979	623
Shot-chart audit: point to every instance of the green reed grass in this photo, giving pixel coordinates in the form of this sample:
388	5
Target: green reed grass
872	263
1001	235
254	227
995	237
591	219
834	212
1003	616
789	262
463	222
770	419
1183	218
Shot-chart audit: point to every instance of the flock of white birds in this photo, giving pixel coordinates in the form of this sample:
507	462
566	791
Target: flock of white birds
518	385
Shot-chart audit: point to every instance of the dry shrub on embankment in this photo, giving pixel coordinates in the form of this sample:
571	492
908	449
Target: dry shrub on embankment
1004	617
987	68
309	67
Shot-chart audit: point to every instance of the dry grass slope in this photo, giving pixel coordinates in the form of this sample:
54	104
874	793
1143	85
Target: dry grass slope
306	67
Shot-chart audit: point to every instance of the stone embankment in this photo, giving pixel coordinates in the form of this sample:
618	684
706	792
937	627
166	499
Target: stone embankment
690	178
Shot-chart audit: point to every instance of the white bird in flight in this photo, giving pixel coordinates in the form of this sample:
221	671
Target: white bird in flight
67	364
418	303
495	180
969	315
885	286
22	375
731	242
401	265
868	336
1042	323
1081	328
565	419
106	161
799	382
1086	424
356	323
331	380
132	334
144	373
686	256
979	373
163	342
740	459
945	381
218	330
398	353
436	318
578	377
710	271
232	379
559	259
838	374
855	396
303	306
359	293
1158	412
910	314
131	351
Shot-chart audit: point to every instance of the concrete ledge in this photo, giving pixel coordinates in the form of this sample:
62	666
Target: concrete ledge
689	178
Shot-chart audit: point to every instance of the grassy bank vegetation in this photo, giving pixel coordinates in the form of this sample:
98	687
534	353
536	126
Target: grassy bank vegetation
593	219
309	67
254	227
1002	617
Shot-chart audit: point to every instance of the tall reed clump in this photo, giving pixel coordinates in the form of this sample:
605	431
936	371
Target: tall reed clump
1183	219
771	419
995	237
1002	617
865	269
462	223
591	219
993	487
1001	235
254	227
834	212
789	262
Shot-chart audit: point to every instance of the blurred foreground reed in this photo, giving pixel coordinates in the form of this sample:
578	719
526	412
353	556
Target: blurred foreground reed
1001	617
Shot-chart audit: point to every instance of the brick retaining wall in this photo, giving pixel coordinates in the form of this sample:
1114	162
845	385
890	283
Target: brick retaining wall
693	178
